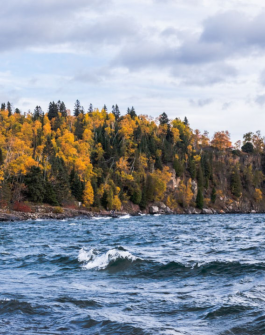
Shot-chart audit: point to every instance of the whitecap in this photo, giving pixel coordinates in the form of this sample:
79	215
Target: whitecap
101	217
125	216
157	214
100	262
72	224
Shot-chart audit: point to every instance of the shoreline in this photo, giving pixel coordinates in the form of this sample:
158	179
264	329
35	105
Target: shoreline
11	216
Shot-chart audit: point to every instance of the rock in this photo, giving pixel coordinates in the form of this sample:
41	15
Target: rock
191	210
253	212
206	211
221	212
153	210
168	210
194	188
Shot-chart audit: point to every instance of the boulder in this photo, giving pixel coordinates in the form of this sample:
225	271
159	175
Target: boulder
206	211
168	210
153	210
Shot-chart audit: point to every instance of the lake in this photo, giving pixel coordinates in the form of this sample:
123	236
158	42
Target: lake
183	274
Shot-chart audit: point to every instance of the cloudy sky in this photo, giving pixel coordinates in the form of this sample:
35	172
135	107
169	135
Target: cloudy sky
204	59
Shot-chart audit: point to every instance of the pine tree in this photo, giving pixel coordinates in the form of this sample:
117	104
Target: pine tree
200	177
17	111
199	199
77	108
213	195
52	110
150	189
186	122
132	112
38	113
192	168
1	157
49	195
90	109
116	111
3	106
236	185
179	167
35	185
163	119
62	108
9	108
143	202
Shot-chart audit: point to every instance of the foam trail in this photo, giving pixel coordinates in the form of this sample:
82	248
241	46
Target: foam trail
125	216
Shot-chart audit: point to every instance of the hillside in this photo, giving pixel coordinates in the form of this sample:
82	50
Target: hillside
107	161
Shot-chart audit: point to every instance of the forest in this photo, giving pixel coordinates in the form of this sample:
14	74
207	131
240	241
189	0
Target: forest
100	159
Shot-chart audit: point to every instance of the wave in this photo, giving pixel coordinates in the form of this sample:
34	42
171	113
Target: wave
115	257
125	216
12	306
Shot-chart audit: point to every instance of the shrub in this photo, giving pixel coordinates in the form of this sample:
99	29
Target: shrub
58	210
22	207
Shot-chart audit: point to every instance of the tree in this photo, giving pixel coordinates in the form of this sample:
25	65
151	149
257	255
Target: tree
77	108
90	109
49	195
248	147
116	112
221	140
213	195
17	111
1	157
179	167
52	110
38	113
35	185
62	108
3	106
199	199
236	186
9	108
186	122
163	119
132	112
88	194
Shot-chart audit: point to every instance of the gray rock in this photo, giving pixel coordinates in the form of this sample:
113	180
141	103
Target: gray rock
154	210
207	211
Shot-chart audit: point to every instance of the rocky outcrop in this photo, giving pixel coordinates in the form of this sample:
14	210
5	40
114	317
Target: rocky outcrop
160	208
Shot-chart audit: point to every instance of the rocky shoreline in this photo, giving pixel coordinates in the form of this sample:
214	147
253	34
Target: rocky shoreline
44	212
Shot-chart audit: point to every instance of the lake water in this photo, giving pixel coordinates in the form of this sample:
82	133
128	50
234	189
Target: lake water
134	275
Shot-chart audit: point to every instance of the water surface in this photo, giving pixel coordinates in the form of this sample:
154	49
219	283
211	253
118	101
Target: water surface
134	275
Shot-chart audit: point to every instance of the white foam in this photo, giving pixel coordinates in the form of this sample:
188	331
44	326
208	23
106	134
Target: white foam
101	218
157	214
72	224
100	262
125	216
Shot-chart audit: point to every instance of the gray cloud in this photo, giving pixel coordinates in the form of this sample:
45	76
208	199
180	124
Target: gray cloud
260	99
200	102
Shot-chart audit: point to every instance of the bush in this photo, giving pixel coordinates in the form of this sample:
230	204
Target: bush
58	210
22	207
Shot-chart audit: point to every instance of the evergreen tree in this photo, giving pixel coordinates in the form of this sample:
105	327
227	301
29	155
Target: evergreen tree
62	108
236	186
76	186
179	167
132	112
186	122
90	109
37	114
77	108
49	195
52	110
150	189
3	106
143	202
199	199
192	168
105	108
1	157
213	195
137	195
200	177
163	119
35	185
17	111
116	111
248	147
9	108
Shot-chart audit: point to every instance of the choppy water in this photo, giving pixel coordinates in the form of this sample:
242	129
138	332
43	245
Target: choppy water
140	275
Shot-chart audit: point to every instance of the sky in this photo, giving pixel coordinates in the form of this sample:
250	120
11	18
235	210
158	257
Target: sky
204	59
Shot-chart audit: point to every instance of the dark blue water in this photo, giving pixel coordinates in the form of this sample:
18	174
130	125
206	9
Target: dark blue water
138	275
